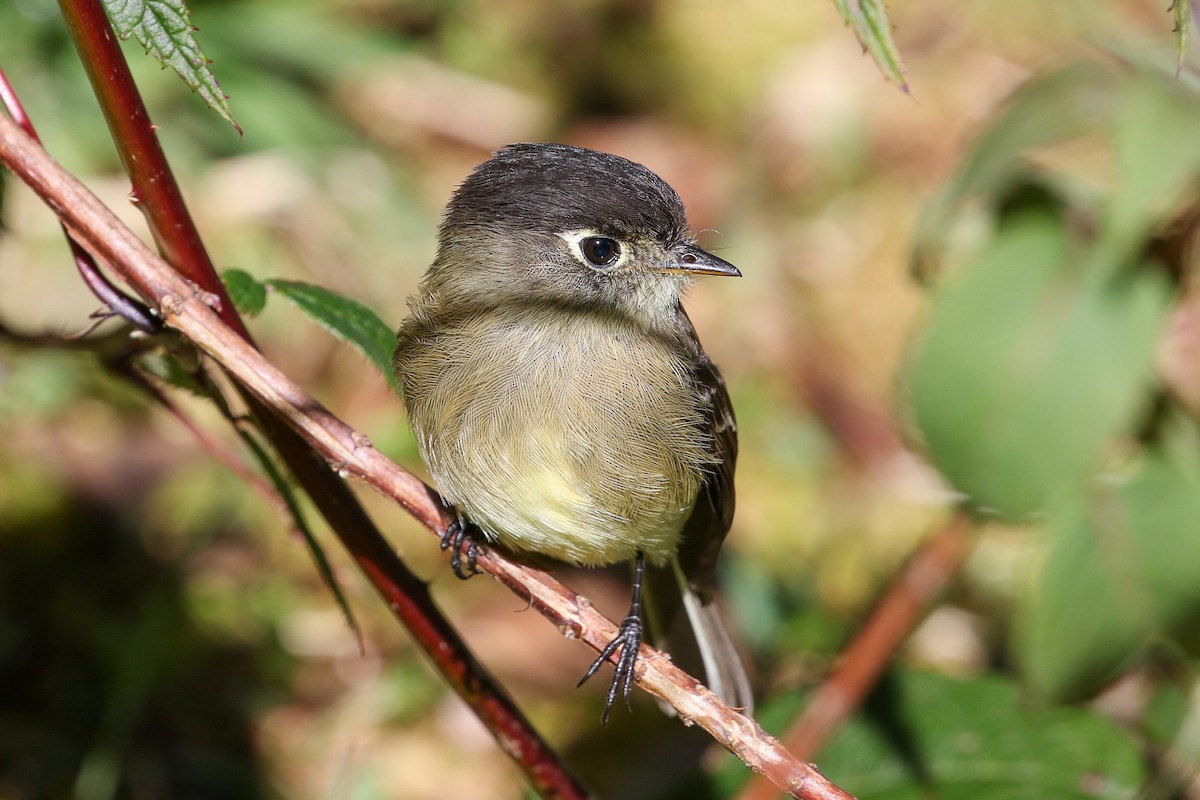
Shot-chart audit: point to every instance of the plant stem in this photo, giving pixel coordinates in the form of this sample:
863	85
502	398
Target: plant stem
158	196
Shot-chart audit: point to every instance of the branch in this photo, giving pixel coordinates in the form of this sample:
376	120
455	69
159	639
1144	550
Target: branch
186	309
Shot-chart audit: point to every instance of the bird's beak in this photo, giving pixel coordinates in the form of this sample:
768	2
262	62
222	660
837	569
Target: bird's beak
691	260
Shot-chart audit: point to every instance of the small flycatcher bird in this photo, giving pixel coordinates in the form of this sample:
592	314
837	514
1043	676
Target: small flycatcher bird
561	399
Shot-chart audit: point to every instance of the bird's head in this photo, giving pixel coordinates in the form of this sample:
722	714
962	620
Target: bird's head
554	223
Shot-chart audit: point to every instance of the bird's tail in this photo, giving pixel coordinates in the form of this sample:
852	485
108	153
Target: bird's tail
691	629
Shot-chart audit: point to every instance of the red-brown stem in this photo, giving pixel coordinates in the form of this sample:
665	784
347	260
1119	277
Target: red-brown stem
864	659
155	190
158	196
10	101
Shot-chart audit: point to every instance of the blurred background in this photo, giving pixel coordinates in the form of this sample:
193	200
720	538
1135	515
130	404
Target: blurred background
160	633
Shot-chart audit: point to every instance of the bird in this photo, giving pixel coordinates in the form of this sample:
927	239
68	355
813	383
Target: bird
560	397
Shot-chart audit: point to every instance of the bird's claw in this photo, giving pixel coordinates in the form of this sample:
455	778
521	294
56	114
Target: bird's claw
461	540
629	639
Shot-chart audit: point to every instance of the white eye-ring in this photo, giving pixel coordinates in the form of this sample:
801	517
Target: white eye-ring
595	250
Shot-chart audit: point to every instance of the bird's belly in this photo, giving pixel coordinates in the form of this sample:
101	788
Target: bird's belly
553	455
547	495
547	505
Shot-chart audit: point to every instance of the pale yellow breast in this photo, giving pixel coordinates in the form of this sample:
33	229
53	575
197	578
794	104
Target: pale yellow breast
564	436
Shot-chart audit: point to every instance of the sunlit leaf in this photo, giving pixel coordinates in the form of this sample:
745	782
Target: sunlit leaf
247	293
869	20
347	319
164	28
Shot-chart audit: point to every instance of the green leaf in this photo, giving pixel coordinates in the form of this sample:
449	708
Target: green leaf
1161	505
165	29
1050	108
1028	369
1154	141
248	295
1087	616
1167	710
347	319
869	20
1120	571
926	736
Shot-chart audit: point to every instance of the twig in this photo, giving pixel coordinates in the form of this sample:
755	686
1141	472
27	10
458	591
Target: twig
863	660
186	309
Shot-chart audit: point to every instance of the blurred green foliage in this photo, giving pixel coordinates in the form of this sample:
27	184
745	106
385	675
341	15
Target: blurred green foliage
1033	381
1030	367
111	687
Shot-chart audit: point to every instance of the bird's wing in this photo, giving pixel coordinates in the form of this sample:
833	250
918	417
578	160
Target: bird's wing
680	603
713	513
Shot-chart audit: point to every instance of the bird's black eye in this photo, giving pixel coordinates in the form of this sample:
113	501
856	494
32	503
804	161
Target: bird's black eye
600	251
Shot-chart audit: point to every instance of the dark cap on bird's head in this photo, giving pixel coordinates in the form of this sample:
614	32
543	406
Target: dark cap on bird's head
561	188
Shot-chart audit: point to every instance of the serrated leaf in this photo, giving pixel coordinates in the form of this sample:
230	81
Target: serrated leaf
165	29
248	294
1029	368
869	20
923	736
347	319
